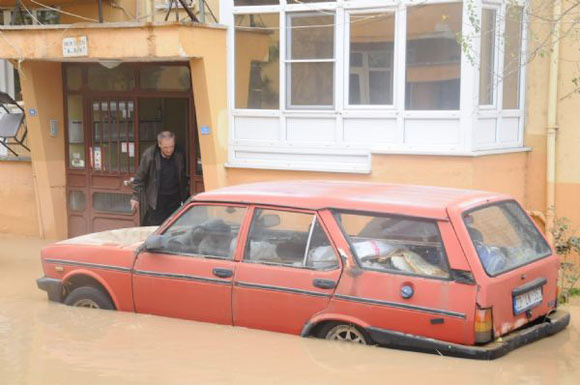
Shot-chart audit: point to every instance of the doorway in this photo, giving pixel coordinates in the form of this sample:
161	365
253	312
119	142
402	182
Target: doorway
122	121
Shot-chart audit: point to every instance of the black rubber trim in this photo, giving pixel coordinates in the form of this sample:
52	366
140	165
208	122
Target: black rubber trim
184	277
52	286
85	264
400	306
551	325
280	288
538	282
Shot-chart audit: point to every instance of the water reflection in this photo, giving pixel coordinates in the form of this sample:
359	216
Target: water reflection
47	343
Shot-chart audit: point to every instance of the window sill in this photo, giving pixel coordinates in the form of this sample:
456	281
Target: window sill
475	153
15	159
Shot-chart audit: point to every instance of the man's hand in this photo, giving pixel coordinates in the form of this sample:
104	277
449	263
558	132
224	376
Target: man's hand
134	204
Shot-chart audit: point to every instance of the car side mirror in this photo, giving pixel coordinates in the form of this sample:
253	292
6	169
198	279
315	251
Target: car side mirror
154	242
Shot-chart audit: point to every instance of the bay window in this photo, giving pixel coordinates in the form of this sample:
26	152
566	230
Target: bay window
335	81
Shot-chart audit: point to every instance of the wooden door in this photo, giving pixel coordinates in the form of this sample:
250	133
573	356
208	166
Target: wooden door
113	160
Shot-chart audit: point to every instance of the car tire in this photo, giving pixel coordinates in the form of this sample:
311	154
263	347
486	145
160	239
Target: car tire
344	332
90	297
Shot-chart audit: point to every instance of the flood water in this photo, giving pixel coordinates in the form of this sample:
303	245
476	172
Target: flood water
46	343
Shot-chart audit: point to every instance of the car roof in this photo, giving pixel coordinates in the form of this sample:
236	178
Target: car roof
400	199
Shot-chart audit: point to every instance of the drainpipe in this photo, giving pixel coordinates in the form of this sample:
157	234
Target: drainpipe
552	127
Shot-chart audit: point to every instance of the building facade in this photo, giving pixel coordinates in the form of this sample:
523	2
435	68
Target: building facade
448	93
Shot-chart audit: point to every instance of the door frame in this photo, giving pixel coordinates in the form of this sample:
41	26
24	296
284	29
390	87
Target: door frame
79	179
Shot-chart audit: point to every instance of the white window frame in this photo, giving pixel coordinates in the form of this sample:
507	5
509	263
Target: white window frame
287	62
347	66
495	70
466	117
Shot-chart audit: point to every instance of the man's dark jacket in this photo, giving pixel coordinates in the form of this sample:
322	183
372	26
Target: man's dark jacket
146	181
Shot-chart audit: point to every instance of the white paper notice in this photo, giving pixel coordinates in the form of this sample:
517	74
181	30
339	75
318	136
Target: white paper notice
97	158
123	146
131	150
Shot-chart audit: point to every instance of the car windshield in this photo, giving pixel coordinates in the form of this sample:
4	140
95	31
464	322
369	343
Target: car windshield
504	237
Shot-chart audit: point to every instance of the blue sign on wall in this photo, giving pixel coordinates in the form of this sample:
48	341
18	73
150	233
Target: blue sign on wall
205	130
32	111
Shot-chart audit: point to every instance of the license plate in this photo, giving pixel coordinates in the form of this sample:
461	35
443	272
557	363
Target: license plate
527	300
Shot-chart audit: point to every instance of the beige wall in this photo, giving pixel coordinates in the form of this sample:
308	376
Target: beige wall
42	90
18	210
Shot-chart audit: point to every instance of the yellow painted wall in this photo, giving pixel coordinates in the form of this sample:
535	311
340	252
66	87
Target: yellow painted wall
18	210
448	171
42	90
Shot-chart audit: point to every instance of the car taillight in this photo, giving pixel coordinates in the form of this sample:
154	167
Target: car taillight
483	325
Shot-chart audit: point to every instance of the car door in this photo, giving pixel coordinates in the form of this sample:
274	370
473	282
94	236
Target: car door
187	270
288	272
401	278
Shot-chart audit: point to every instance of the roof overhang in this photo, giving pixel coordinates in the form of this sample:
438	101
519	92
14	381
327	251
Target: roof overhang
166	41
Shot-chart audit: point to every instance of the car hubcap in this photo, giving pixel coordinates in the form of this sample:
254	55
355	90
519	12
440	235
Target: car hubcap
86	303
346	333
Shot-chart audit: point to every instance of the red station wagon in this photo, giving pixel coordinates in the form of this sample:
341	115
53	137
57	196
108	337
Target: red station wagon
459	272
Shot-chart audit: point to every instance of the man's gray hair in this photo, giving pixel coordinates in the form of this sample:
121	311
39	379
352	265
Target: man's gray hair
165	135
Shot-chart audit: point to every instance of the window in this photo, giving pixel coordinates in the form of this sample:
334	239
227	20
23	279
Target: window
289	239
310	60
504	237
395	244
487	58
76	136
257	70
512	57
433	57
163	77
209	231
371	58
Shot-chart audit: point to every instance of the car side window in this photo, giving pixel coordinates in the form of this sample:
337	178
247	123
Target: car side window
290	239
206	230
395	244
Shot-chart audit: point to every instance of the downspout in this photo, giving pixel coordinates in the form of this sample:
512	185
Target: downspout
552	127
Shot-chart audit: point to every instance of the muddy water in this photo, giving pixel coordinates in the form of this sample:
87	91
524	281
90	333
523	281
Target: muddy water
46	343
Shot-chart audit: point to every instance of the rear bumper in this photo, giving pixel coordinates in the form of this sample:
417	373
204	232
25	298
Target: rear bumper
554	323
52	286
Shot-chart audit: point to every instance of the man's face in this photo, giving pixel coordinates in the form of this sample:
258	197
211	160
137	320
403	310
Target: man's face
167	146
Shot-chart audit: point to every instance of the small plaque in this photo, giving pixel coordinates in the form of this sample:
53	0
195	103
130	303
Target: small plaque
75	46
53	127
205	130
32	111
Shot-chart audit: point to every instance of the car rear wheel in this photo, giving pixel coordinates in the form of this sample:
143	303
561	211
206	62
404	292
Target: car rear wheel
345	333
90	297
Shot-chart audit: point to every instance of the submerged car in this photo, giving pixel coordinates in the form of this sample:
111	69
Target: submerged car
458	272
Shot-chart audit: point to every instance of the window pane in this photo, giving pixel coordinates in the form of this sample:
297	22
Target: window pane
76	200
76	136
205	230
504	237
394	244
74	77
165	78
120	78
486	61
112	202
311	37
311	84
257	61
279	237
512	57
371	58
321	255
433	57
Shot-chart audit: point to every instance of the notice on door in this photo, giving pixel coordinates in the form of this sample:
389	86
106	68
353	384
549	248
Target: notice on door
97	158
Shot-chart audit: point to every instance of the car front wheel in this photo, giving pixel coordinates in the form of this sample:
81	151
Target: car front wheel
344	332
88	296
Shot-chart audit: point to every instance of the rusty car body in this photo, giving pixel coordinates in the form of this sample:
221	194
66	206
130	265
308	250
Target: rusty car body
458	272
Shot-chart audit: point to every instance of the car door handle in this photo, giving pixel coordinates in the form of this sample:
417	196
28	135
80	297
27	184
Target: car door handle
222	273
324	283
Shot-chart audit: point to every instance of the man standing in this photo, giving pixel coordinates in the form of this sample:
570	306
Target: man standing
160	185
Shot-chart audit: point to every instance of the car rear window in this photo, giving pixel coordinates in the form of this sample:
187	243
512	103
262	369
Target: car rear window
395	244
504	237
